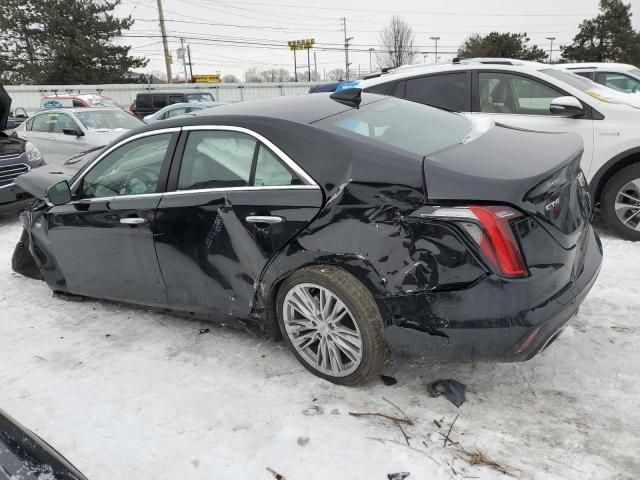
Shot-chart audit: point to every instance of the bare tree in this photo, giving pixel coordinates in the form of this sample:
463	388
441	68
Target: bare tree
230	78
336	74
276	75
252	75
397	44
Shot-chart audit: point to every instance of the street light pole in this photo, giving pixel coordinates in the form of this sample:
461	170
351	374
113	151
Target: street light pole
435	39
371	50
551	48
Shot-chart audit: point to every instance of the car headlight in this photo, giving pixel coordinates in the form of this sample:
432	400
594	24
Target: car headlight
33	154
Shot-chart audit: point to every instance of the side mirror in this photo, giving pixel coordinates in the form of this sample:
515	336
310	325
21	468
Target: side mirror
566	106
147	118
73	131
58	194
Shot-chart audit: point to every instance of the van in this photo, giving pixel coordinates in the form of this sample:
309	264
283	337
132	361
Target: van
148	103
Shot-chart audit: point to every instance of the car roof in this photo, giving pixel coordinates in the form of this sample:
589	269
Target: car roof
79	95
76	110
620	67
173	92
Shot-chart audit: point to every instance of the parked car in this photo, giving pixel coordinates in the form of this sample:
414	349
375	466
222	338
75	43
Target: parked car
177	109
17	156
62	133
81	100
149	102
541	97
16	118
338	221
25	456
619	76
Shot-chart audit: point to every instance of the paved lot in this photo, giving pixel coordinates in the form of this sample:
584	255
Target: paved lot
128	393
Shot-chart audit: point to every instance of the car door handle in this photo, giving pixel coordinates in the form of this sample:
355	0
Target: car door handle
133	221
264	219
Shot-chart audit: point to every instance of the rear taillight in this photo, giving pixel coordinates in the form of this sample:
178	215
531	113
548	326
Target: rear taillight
490	228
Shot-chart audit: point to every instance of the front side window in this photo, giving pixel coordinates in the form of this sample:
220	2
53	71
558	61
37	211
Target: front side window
61	122
143	101
514	94
200	97
159	101
175	112
131	169
175	99
619	81
444	91
408	126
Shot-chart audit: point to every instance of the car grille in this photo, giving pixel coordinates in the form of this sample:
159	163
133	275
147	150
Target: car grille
9	156
8	173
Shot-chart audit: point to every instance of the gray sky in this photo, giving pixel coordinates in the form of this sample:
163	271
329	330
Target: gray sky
230	36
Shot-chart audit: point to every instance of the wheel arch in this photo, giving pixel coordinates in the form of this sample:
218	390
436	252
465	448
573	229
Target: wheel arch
609	169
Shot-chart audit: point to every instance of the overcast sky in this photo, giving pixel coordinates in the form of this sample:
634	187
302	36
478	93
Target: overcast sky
231	36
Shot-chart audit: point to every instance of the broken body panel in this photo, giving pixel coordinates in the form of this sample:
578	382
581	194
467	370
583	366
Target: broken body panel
437	295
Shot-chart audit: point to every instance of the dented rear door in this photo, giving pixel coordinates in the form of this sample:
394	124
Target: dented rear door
214	242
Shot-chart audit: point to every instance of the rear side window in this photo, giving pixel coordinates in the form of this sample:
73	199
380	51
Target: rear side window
40	123
382	89
270	171
588	75
175	99
78	103
216	159
143	101
619	81
159	101
445	91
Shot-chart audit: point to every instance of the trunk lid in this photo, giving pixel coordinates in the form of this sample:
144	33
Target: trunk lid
539	173
5	106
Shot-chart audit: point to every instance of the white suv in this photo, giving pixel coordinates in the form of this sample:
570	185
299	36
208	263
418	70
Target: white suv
541	97
619	76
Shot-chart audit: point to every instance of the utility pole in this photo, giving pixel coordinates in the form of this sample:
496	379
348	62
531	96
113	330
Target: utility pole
309	62
163	31
435	39
295	65
190	66
184	60
424	57
346	47
551	49
371	50
315	65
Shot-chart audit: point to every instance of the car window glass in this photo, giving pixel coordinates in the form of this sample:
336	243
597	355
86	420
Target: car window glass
513	94
175	112
271	171
107	119
399	90
619	81
28	124
159	101
78	103
175	99
41	123
588	75
216	159
132	169
143	101
446	91
60	121
382	89
200	97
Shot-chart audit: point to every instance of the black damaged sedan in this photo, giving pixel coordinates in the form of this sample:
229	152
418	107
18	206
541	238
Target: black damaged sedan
346	223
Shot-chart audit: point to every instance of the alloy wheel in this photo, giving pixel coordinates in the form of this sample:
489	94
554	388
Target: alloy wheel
322	329
627	204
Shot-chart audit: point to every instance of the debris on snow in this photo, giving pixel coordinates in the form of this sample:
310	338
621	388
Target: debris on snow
477	458
451	389
313	410
446	438
302	441
275	474
387	380
398	476
203	330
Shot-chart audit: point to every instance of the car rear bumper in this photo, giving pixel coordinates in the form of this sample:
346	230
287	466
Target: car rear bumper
489	321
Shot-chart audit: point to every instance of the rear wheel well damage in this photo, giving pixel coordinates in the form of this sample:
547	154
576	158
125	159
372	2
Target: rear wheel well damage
612	167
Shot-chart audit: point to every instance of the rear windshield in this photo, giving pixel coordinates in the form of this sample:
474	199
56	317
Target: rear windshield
409	126
107	120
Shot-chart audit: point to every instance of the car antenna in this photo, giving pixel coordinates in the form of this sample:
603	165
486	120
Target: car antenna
349	96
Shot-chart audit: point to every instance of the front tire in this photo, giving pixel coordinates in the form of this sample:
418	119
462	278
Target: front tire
620	202
332	324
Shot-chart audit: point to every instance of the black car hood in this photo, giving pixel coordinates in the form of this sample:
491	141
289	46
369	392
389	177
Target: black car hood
37	181
10	145
5	106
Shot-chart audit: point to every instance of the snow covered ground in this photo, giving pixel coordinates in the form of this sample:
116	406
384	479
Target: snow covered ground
126	393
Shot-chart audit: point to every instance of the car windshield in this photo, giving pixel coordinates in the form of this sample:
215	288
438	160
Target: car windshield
200	97
409	126
107	120
105	102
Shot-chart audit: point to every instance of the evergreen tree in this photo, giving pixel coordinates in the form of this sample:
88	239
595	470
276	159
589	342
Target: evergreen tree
501	45
63	42
609	37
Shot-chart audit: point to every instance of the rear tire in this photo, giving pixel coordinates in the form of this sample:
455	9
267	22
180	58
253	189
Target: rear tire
347	351
620	191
